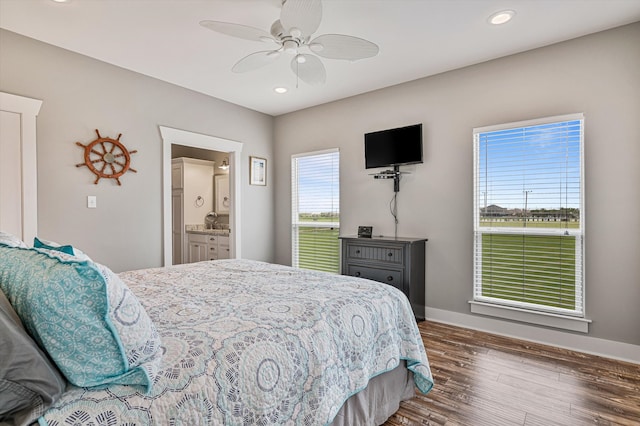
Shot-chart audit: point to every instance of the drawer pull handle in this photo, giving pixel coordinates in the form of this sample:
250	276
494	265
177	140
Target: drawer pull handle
389	254
357	251
357	274
389	278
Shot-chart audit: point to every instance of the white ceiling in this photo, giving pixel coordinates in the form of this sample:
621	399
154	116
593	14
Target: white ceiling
417	38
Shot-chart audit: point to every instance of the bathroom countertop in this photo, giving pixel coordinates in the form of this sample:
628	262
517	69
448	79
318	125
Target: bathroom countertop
221	232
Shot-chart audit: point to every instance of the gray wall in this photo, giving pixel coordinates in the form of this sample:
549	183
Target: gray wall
80	95
598	75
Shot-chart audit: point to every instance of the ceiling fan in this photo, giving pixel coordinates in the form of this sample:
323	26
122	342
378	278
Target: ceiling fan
291	34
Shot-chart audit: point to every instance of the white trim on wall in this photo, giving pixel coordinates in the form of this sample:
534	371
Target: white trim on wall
198	140
577	342
28	109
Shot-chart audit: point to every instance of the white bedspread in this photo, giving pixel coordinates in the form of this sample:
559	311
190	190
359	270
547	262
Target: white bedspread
247	342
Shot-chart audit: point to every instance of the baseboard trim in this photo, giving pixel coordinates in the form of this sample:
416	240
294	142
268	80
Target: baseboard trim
581	343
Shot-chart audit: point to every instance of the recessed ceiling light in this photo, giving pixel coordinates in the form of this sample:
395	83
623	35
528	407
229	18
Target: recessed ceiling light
281	90
501	17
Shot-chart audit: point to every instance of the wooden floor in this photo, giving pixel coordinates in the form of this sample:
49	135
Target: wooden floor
484	379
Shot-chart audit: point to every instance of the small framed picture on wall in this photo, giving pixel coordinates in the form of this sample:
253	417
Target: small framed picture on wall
258	171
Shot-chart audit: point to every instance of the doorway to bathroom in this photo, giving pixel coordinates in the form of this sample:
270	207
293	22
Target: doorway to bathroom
224	153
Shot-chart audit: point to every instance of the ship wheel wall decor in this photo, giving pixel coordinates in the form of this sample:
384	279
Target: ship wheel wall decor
107	158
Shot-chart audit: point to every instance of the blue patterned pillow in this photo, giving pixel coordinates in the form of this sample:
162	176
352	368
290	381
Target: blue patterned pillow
83	316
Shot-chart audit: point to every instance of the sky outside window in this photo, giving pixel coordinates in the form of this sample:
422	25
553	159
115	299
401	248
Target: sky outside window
536	167
318	187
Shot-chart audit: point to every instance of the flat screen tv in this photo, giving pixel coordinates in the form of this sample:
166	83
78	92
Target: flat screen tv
393	147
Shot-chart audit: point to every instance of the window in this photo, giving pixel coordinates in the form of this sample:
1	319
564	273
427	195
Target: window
529	215
315	216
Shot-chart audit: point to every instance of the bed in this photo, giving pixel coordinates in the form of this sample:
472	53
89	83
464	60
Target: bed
243	342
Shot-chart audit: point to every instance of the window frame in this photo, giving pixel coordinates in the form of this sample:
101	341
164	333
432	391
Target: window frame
296	223
521	311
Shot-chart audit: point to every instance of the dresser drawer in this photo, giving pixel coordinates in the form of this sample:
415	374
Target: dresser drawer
198	238
387	276
376	254
224	253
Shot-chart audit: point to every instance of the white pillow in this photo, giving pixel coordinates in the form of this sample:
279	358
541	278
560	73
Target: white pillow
10	240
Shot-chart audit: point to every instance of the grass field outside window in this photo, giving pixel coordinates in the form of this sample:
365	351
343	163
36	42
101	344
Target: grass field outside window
319	248
536	269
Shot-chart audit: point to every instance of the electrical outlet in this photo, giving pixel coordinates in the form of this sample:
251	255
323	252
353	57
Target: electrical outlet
92	202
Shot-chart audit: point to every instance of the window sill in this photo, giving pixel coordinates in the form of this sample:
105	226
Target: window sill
540	318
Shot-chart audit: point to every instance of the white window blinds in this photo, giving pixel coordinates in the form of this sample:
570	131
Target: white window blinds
529	215
315	201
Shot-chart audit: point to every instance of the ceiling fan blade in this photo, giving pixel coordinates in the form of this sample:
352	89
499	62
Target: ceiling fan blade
237	30
311	71
255	61
304	15
338	46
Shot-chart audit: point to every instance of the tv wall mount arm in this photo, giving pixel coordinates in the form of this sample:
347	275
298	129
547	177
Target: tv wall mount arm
391	174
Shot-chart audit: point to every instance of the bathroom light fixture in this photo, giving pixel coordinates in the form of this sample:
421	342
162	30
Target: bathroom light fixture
501	17
224	165
281	90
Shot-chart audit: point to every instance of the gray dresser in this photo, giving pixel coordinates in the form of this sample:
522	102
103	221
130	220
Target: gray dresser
395	261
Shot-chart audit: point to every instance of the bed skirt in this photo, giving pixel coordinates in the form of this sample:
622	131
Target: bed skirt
379	400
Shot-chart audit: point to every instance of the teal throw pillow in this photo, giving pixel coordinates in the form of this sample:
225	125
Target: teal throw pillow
64	249
83	315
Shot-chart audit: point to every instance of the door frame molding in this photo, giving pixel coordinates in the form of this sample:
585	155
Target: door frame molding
198	140
28	110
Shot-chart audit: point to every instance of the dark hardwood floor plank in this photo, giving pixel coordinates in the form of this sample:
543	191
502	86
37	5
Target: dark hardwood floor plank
529	367
602	416
516	398
536	420
485	379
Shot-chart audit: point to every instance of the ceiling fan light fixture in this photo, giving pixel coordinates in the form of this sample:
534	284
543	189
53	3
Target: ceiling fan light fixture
501	17
295	32
301	59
